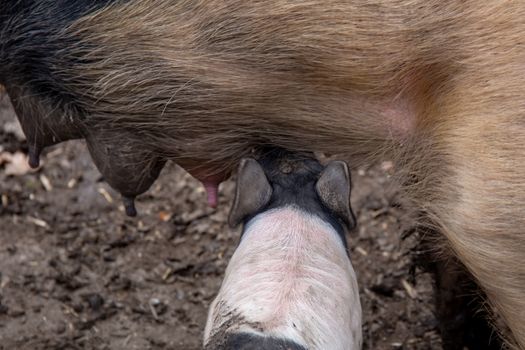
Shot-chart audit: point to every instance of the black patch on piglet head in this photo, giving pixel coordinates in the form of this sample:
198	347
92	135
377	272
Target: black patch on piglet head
246	341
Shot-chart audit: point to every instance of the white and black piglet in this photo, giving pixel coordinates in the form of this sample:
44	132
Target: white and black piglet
290	284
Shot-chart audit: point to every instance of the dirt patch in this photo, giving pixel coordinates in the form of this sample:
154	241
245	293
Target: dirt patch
76	273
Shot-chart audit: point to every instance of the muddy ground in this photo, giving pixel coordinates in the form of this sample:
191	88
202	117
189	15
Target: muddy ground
76	273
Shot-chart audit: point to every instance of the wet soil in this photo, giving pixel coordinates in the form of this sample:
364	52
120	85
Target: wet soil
76	273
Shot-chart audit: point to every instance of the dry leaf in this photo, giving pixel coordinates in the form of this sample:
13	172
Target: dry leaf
105	194
46	183
15	164
409	289
164	216
38	222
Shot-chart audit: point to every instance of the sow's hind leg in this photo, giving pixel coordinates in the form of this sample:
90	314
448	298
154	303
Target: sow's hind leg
463	322
481	209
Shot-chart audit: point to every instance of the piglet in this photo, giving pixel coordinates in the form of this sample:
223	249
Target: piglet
290	284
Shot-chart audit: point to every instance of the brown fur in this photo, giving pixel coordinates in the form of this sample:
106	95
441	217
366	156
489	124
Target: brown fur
437	85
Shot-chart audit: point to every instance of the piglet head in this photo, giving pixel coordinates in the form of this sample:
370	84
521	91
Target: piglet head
278	180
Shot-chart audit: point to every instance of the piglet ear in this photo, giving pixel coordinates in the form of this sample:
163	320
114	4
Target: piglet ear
333	188
252	193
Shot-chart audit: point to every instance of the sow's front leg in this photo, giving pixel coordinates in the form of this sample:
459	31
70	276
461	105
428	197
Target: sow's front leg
290	283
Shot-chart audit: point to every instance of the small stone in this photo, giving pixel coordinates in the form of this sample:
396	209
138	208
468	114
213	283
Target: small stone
94	300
